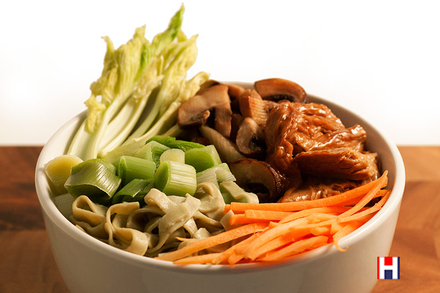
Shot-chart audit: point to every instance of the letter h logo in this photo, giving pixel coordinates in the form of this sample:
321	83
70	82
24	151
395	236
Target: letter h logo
388	267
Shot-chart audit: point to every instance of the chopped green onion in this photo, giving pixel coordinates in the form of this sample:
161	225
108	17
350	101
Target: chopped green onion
152	151
174	178
135	190
130	168
95	178
176	155
202	158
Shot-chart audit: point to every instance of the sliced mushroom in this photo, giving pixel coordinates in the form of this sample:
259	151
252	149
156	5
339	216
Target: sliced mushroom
258	177
236	121
235	91
196	110
227	149
276	89
207	84
250	138
252	105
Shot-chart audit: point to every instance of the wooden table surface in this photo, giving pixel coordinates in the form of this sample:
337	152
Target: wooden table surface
27	264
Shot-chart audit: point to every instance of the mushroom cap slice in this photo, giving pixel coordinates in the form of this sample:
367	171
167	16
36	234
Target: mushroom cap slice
252	105
258	177
196	110
280	89
207	84
235	91
227	150
250	138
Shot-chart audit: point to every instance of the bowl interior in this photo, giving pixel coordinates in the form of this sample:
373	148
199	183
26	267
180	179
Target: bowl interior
388	154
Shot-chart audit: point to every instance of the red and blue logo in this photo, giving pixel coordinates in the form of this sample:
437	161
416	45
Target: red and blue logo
388	267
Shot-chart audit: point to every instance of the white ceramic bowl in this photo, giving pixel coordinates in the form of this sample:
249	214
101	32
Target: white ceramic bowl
88	265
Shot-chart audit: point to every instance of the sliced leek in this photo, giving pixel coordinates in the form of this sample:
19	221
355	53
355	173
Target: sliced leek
130	168
58	170
176	155
174	178
95	178
172	142
152	151
64	204
135	190
216	174
202	158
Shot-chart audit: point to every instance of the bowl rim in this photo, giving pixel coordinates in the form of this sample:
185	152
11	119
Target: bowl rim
48	207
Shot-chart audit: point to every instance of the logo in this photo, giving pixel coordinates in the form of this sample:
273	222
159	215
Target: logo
388	267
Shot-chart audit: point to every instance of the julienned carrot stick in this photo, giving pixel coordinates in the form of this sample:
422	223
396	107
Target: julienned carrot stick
378	185
243	219
344	232
273	232
296	248
304	213
377	206
211	241
322	202
236	249
253	216
354	201
251	251
266	215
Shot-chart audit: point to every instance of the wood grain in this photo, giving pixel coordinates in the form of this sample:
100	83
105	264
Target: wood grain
27	264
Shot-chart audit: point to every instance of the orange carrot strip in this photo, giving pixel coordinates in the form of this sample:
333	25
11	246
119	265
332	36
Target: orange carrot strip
300	214
379	184
211	241
272	245
252	250
235	249
319	217
320	231
335	226
347	229
266	215
354	201
322	202
239	219
296	247
365	212
253	216
197	259
293	235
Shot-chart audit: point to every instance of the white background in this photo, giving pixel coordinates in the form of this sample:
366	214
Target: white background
381	59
